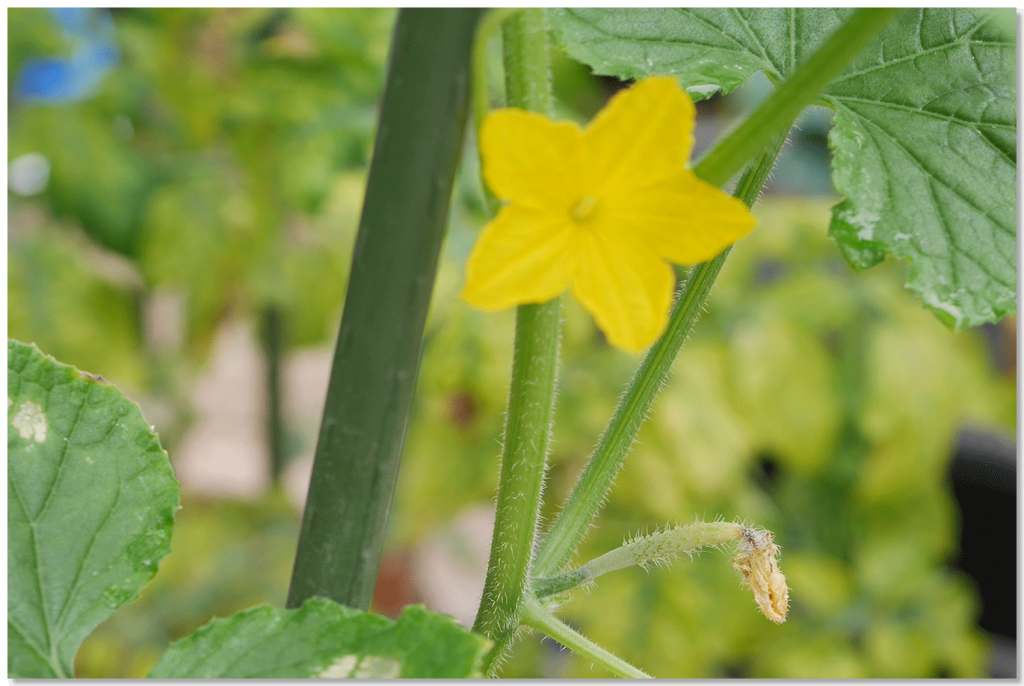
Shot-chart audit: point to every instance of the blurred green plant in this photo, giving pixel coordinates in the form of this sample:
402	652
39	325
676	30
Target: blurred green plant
223	161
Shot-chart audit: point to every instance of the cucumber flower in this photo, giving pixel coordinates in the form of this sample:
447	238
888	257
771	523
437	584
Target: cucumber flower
602	210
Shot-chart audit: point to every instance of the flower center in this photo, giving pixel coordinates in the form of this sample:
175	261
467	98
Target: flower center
584	208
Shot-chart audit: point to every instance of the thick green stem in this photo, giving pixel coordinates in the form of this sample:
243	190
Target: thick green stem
408	193
766	127
532	391
523	463
801	89
538	617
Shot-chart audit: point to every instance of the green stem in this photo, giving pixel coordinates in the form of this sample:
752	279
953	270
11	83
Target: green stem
523	462
779	112
527	63
481	46
539	618
532	391
586	499
481	100
659	547
394	262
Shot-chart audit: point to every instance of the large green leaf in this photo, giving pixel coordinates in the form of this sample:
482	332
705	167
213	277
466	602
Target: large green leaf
924	133
90	503
328	640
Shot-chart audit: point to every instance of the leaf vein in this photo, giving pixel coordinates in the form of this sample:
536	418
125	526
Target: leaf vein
75	585
966	123
885	64
745	23
31	644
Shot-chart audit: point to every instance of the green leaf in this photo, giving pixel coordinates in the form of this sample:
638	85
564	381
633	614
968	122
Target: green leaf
709	49
90	503
925	153
325	639
924	132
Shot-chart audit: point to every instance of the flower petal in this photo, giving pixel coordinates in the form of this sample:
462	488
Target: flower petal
531	159
685	219
624	285
642	136
522	256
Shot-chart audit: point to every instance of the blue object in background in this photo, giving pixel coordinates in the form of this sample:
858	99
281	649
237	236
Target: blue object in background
90	32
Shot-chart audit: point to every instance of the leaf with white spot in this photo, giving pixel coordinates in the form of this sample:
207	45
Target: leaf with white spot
324	639
924	134
90	503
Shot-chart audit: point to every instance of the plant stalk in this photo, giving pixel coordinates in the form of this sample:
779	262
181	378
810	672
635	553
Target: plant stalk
532	389
540	618
394	262
481	99
658	548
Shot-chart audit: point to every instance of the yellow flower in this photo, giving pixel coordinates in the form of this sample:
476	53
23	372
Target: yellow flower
599	210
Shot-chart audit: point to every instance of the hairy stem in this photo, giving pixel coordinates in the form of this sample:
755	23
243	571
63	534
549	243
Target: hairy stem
532	391
659	547
540	618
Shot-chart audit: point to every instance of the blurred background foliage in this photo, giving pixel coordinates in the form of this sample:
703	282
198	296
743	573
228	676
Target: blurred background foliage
222	157
172	171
